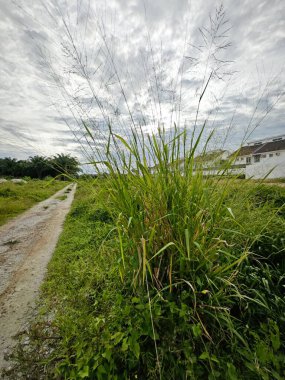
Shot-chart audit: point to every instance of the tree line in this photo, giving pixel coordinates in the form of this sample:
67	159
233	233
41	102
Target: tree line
40	166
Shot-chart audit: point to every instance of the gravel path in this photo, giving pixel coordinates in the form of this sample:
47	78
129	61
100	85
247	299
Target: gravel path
26	246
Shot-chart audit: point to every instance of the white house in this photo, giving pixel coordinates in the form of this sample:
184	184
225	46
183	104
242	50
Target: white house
262	158
258	159
211	162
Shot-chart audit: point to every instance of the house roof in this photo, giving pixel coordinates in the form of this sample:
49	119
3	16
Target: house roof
207	156
210	155
271	146
244	151
215	155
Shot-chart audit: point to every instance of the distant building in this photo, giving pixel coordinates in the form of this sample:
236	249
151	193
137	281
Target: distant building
262	158
258	159
212	162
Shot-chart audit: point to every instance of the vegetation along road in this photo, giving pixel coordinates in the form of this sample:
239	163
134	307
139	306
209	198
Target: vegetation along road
26	245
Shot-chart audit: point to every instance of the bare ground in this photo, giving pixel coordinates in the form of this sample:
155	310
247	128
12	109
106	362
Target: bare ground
26	246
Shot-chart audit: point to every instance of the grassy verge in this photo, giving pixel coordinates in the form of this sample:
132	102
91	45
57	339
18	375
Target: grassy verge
226	323
16	198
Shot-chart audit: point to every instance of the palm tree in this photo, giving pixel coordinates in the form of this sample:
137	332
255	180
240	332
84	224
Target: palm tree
66	165
39	167
8	166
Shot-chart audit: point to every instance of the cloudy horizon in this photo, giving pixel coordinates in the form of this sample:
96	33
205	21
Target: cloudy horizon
64	65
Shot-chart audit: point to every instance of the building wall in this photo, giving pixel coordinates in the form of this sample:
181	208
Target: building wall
272	167
230	171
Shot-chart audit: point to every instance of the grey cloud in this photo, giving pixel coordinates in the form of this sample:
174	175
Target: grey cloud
28	91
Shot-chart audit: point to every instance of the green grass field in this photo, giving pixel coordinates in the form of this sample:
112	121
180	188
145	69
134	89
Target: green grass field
226	322
16	198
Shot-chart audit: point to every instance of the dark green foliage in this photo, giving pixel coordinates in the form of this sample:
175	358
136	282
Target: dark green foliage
270	245
8	166
65	165
273	195
7	192
101	215
40	167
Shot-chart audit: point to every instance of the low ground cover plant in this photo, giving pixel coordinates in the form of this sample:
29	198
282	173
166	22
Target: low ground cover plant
18	197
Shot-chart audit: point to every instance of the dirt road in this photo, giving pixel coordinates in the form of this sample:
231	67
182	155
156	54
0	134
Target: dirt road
26	246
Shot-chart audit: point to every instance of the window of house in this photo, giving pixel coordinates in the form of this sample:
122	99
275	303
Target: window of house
237	159
257	158
248	160
270	154
241	158
263	156
277	154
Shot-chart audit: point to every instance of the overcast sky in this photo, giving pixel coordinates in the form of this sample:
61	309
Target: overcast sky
68	63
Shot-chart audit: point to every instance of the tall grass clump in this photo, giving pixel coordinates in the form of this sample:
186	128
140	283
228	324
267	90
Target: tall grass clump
172	214
184	243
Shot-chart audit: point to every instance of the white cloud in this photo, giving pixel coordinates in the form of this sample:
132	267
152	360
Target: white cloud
119	43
